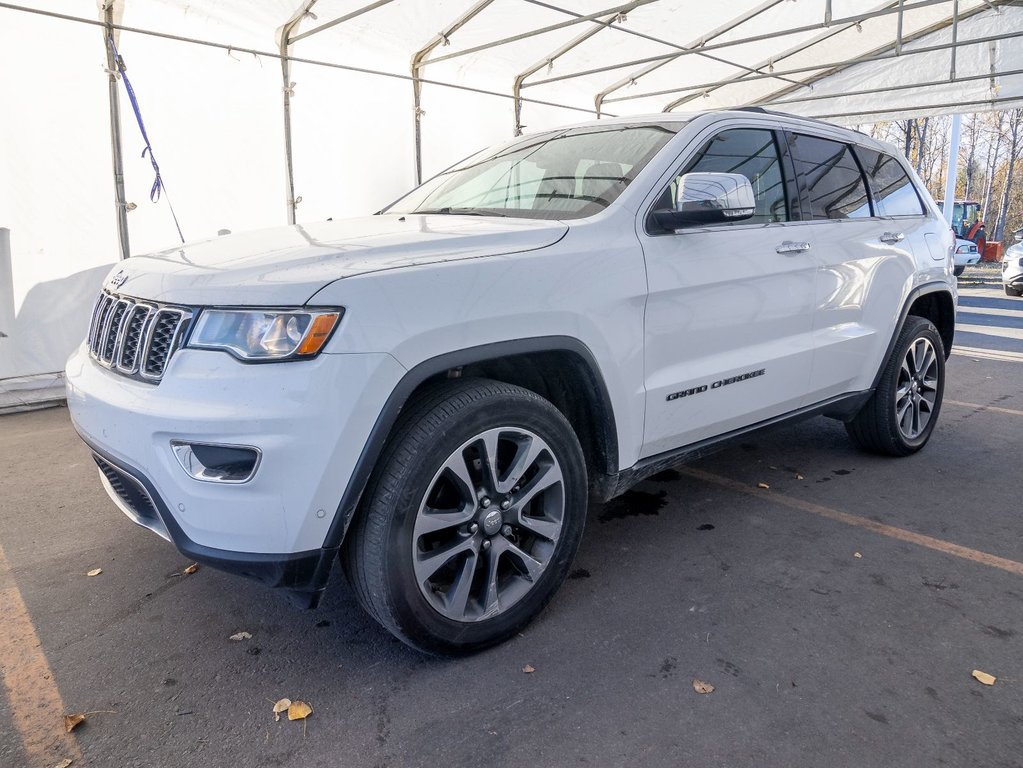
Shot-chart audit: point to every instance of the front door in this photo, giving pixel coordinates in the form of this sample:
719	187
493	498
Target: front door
730	306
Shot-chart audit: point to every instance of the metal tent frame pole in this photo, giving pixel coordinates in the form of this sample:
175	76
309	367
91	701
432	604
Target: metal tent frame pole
116	154
284	45
548	61
700	42
832	65
851	20
419	60
953	168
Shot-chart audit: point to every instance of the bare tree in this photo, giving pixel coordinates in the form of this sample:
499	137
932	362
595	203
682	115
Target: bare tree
1015	136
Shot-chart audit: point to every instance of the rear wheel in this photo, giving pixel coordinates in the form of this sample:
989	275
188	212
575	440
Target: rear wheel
472	519
901	414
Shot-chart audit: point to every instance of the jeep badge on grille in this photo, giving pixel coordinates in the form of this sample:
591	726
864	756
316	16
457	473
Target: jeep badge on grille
118	280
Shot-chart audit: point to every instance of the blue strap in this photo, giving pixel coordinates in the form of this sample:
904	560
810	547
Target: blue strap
158	184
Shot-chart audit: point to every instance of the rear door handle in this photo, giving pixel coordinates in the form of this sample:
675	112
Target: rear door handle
792	247
892	237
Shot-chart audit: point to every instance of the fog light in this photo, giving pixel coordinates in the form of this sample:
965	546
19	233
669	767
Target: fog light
215	463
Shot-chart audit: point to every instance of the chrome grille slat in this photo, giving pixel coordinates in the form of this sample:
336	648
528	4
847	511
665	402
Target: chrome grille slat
135	338
134	330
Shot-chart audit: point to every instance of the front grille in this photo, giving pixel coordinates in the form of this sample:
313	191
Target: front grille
129	490
136	338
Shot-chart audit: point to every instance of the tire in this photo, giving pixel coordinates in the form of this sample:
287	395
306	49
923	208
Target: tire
958	271
1010	291
448	556
911	386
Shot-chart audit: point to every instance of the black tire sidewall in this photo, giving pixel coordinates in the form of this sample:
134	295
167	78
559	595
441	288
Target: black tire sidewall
914	329
416	619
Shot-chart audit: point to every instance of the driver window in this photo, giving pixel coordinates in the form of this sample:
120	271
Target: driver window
754	154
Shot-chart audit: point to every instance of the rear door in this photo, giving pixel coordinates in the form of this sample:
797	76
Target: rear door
864	259
728	316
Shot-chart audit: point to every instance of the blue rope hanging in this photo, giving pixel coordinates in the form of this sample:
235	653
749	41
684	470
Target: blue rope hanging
159	188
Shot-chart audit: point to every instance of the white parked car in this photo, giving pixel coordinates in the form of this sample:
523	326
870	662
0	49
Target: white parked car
434	393
966	255
1012	267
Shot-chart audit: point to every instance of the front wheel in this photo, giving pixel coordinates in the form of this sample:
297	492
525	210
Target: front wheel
958	270
1010	291
472	518
901	414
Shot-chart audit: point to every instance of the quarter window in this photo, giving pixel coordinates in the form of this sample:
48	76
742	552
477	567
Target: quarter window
831	177
894	194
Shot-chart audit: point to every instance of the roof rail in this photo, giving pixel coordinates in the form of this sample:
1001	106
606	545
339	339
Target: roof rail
776	113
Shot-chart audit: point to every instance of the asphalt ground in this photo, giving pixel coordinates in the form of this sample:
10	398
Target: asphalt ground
838	613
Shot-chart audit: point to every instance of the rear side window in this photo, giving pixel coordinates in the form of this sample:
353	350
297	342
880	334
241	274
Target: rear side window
828	171
894	194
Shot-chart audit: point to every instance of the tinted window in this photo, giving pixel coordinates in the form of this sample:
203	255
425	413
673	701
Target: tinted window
752	153
893	192
565	174
830	175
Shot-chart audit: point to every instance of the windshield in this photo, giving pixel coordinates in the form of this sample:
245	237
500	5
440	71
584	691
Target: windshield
567	174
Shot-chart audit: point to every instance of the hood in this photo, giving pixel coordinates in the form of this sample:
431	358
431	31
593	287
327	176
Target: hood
285	266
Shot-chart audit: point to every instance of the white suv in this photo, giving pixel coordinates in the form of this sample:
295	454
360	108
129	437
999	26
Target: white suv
435	391
1012	266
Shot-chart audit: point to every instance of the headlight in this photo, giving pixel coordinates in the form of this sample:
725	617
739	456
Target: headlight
265	334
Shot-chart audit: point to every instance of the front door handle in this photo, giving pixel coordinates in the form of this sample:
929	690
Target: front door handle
792	247
892	237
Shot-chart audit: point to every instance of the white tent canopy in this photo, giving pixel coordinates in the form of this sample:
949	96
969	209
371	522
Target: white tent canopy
263	112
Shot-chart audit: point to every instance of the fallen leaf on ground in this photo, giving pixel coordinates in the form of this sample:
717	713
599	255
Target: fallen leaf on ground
95	572
529	669
64	763
984	677
299	710
191	569
73	721
281	706
857	554
765	486
799	476
702	687
241	636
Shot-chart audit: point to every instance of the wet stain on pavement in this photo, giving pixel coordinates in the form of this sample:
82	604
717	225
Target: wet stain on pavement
728	668
705	527
876	717
579	573
668	666
1001	634
633	504
667	476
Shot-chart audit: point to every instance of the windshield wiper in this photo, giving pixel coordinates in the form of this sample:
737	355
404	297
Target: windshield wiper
449	211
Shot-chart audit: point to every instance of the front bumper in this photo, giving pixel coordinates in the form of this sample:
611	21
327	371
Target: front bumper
310	419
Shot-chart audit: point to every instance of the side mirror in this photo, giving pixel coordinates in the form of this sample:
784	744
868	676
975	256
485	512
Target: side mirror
709	198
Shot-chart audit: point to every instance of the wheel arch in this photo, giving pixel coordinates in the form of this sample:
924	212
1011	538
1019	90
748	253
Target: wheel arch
932	301
547	365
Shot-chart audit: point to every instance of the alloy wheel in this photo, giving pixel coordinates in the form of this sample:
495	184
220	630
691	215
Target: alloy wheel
917	389
488	525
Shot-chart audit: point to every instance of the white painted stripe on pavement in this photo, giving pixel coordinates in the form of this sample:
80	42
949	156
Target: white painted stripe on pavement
988	354
1013	313
991	330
